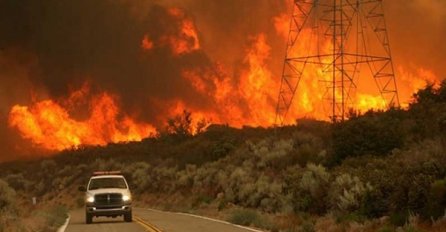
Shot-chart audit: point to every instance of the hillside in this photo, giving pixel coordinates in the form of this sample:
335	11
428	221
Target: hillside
375	171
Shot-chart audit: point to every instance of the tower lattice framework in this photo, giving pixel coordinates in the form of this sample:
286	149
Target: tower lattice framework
345	39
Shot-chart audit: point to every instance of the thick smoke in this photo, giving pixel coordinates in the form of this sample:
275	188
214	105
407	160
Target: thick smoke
417	29
70	42
53	46
97	41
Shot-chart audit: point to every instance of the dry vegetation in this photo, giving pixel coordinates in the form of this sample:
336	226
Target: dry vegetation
17	213
380	171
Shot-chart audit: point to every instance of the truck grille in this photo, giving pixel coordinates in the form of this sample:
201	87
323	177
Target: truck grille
108	199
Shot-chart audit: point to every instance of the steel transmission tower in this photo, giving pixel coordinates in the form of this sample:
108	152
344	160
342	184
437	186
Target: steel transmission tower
341	39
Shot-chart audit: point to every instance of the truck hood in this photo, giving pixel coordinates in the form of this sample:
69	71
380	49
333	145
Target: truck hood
108	190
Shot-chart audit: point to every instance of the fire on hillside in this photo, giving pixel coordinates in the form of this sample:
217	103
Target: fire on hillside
129	89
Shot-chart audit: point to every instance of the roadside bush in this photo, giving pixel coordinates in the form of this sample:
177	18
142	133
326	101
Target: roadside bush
307	225
375	133
399	218
237	180
271	152
401	181
48	166
7	198
201	199
163	179
17	182
311	191
347	193
436	205
386	228
140	178
244	217
65	177
205	182
55	217
222	148
185	178
40	189
8	207
308	148
265	194
106	165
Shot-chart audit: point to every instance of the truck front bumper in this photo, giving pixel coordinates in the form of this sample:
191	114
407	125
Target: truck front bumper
109	210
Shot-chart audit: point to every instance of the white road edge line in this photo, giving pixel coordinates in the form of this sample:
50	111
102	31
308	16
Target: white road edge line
64	226
207	218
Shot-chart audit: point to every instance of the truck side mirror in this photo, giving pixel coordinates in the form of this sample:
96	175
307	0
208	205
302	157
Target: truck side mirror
82	189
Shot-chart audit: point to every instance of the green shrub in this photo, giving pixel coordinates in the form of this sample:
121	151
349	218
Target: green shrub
8	207
412	223
40	189
106	165
307	226
399	218
386	228
308	148
347	193
401	182
374	133
55	217
428	111
7	197
163	179
244	217
436	206
140	178
310	193
272	153
222	148
375	204
185	178
351	217
314	180
48	166
201	199
17	182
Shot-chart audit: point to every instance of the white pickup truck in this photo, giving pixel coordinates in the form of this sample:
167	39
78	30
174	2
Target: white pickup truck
107	194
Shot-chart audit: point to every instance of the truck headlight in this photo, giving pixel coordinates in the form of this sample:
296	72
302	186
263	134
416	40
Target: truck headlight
126	198
90	199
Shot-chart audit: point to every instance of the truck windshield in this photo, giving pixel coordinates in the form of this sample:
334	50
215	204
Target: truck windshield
107	182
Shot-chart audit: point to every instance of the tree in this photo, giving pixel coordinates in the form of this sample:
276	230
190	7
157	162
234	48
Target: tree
181	125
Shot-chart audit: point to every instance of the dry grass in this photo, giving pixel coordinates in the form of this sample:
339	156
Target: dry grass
328	224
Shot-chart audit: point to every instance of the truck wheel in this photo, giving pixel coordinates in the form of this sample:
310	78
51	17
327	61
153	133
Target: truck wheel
128	217
88	218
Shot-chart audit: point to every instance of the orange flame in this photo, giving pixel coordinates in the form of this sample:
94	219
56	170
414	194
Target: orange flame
257	85
49	125
186	41
251	100
146	43
248	98
309	99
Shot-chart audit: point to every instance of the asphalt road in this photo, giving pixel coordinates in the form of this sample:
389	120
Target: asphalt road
150	220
